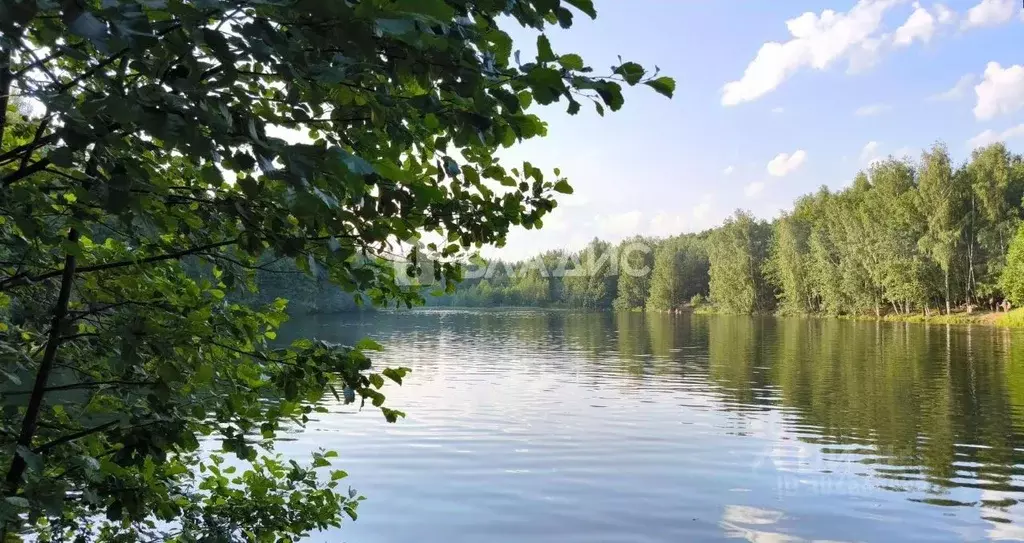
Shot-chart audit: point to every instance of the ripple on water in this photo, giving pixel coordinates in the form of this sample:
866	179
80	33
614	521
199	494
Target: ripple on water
554	426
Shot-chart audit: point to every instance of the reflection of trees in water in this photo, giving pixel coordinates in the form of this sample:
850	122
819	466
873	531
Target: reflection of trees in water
926	407
589	333
923	405
736	358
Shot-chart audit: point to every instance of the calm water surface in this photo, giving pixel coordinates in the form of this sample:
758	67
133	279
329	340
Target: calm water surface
561	427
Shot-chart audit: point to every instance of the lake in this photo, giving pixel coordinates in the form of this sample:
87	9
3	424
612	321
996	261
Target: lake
550	426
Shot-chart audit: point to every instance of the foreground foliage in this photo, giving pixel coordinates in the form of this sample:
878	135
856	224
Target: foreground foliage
164	158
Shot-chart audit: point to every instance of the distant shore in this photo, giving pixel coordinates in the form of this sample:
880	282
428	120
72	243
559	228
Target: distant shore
1011	319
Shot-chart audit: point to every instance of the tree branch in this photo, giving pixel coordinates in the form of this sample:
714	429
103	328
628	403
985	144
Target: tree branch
22	173
71	437
14	153
78	386
6	78
16	281
35	402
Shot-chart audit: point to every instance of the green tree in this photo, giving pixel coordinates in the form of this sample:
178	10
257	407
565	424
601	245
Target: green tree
592	284
1012	279
892	225
680	272
737	252
320	132
788	265
994	214
636	262
941	202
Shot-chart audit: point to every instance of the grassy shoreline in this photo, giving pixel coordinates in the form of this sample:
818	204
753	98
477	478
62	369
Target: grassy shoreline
1011	319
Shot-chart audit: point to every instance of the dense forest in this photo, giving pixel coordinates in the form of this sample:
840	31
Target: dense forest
905	237
306	293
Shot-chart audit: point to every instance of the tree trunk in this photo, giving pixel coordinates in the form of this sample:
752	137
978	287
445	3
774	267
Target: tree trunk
6	78
946	273
970	257
35	402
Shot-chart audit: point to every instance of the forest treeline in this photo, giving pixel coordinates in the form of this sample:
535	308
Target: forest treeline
906	236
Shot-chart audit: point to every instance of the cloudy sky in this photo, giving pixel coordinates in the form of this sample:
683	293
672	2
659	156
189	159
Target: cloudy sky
773	100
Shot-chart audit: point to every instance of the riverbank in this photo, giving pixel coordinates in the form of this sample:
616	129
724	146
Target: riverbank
1011	319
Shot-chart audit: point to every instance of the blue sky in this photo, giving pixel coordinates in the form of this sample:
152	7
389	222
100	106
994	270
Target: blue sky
847	82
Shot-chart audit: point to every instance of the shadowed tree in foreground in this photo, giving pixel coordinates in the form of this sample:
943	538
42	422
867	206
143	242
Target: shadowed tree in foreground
151	181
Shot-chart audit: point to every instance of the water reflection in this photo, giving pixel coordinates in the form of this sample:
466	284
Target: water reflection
828	430
751	523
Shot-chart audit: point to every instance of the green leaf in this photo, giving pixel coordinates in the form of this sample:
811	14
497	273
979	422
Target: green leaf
664	85
563	187
631	72
586	6
525	99
392	415
204	374
571	61
396	27
544	52
32	459
451	167
367	344
353	163
61	156
210	174
436	9
395	374
611	94
17	501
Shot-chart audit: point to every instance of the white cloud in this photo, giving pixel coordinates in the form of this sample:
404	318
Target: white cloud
990	13
903	152
990	136
778	110
619	225
728	170
1001	91
818	41
919	26
945	15
753	189
667	224
785	163
867	55
871	110
958	91
869	153
702	215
